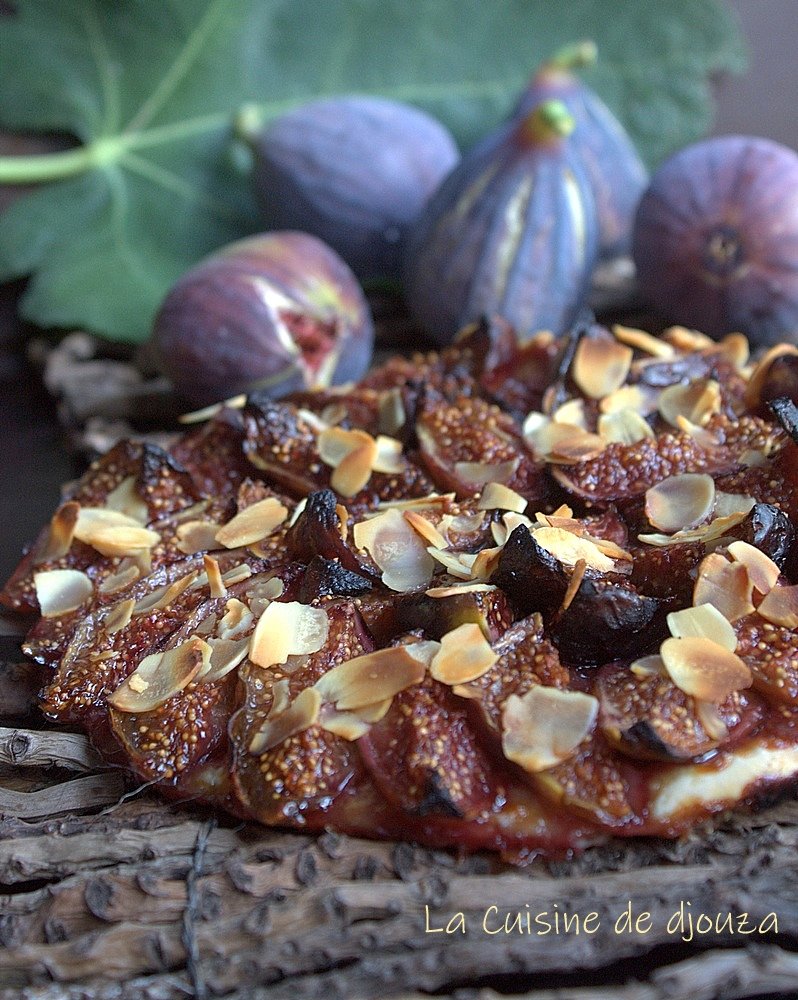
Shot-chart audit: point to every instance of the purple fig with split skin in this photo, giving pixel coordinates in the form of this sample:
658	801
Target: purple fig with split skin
279	312
716	239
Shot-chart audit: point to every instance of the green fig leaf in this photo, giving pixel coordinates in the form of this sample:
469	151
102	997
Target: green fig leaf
149	91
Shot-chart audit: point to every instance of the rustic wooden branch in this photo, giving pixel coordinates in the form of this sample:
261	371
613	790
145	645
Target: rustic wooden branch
82	793
33	748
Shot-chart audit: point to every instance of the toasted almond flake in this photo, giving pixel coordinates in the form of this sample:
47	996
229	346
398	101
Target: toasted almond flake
163	596
763	572
753	458
352	474
288	629
215	582
237	618
501	530
710	718
392	415
268	590
252	524
343	520
534	422
642	341
726	585
451	560
297	512
112	533
609	548
425	528
624	427
397	549
352	725
703	669
127	500
546	726
687	340
226	654
569	548
780	607
301	714
207	625
455	589
281	697
336	443
197	536
60	533
648	666
334	413
706	533
600	365
207	412
573	584
375	676
753	390
496	496
237	574
465	654
700	435
732	503
696	401
119	616
433	501
313	420
564	443
60	591
703	621
679	502
736	348
159	676
477	474
572	412
127	572
389	458
486	563
641	399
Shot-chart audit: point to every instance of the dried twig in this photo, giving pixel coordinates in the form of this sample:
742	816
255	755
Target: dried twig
69	796
33	748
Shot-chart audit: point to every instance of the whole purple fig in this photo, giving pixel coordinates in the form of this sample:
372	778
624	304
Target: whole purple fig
354	171
716	238
617	174
279	311
510	232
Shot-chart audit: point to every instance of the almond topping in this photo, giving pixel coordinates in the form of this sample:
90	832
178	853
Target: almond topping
706	533
252	524
763	572
119	616
301	714
496	496
736	348
352	725
163	596
780	607
434	501
727	504
726	585
237	618
281	697
572	412
354	471
710	718
477	474
452	561
687	340
112	533
486	563
642	399
624	427
197	536
546	726
392	411
389	455
465	654
60	533
207	412
703	621
425	528
226	654
643	341
59	591
564	443
460	588
703	669
215	582
287	629
335	443
753	390
697	401
648	666
569	548
126	499
375	676
600	365
159	676
682	501
126	573
237	574
397	549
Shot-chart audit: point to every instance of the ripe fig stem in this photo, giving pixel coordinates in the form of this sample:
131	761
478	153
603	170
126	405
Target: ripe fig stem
549	122
61	164
573	56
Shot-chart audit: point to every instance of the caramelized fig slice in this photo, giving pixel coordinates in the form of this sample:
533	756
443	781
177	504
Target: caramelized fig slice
645	716
437	615
318	532
328	578
667	571
771	652
768	529
530	575
607	620
296	781
425	758
213	454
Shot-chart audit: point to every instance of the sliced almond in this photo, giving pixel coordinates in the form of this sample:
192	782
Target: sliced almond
60	591
456	589
564	443
569	548
433	501
397	549
648	666
702	437
465	654
600	365
572	412
207	412
706	533
425	528
753	390
780	607
392	411
119	616
545	726
496	496
335	443
237	618
313	420
682	501
354	472
641	399
687	340
477	474
452	561
710	718
288	629
197	536
696	401
388	459
297	511
501	530
112	533
281	697
226	654
726	585
703	669
727	504
162	597
236	574
573	584
301	714
252	523
215	582
736	348
159	676
343	520
127	572
763	572
486	563
703	621
642	341
624	427
60	533
126	499
352	725
375	676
